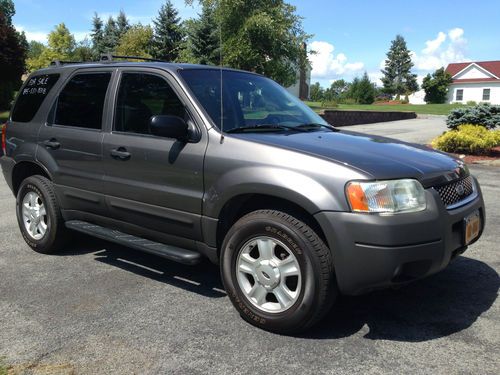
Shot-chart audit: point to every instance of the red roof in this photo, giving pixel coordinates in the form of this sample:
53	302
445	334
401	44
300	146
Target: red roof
475	80
491	66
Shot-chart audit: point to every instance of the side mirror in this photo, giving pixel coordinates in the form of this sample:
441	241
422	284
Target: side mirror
169	127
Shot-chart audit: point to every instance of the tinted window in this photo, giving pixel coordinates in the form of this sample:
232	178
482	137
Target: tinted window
32	95
141	96
248	99
81	102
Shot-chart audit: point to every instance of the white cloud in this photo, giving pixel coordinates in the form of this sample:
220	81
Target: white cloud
38	36
327	65
444	49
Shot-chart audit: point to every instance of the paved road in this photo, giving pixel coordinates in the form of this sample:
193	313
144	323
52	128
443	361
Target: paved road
100	309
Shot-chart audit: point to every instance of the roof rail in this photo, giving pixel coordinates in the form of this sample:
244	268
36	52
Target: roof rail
108	57
63	62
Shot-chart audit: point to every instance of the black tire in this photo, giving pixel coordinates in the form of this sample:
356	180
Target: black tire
318	287
56	234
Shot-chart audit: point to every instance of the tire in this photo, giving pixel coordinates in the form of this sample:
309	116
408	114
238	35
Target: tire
36	193
245	271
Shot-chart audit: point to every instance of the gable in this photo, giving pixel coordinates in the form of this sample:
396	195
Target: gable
473	71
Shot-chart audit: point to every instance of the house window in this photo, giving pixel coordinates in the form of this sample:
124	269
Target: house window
459	95
486	94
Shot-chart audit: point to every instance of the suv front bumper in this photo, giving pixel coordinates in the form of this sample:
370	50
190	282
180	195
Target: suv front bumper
373	251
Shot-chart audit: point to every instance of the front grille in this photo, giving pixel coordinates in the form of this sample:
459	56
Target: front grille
455	191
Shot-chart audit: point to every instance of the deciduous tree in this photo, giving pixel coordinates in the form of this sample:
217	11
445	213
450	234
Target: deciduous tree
436	86
136	42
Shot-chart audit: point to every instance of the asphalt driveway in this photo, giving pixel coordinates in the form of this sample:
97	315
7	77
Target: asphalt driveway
97	308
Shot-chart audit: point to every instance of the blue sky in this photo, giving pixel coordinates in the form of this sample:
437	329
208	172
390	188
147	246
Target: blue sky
350	37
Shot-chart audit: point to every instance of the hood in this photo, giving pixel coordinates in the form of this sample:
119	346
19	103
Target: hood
380	157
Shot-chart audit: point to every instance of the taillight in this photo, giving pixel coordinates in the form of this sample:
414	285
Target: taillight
4	138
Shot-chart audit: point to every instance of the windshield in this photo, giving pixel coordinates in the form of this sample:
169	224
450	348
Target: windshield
250	100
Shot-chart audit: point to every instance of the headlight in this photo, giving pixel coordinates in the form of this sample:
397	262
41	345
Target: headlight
391	196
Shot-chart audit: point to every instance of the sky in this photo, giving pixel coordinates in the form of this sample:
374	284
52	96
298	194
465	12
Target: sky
349	37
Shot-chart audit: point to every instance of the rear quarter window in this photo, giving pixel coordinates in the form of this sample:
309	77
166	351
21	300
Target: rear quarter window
32	95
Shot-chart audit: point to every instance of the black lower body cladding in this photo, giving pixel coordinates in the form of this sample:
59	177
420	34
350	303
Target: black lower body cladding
373	251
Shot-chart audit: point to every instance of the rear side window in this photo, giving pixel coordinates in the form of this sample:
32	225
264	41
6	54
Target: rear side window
81	102
32	95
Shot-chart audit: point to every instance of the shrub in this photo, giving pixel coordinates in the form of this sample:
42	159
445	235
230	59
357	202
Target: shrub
469	139
471	103
329	104
349	101
483	114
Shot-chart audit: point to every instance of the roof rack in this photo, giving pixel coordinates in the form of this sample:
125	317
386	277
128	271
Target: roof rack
108	57
63	62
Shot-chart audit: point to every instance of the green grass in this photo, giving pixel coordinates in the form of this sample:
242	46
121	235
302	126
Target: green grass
3	367
4	116
428	109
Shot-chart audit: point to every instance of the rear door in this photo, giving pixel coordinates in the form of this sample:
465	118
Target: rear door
70	143
151	181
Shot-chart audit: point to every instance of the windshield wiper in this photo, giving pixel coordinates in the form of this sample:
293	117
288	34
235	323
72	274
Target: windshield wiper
271	127
315	125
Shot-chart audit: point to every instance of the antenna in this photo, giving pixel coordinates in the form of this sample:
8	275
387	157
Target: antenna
221	85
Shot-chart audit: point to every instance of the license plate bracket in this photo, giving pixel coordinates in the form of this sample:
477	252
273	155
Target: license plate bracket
472	226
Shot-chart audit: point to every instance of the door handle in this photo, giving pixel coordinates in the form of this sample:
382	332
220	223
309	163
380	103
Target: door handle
120	153
52	144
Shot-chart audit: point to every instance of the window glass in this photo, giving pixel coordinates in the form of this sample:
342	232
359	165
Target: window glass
32	96
486	94
142	96
81	102
460	94
248	99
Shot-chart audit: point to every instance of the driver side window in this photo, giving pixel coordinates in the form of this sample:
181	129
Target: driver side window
141	96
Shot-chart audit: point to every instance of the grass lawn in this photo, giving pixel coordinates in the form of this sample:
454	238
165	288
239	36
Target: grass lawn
4	116
429	109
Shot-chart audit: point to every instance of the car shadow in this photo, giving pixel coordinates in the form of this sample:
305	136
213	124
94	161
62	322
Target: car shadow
202	279
438	306
435	307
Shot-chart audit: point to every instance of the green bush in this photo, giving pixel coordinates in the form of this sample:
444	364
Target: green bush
329	104
471	103
483	114
468	139
349	101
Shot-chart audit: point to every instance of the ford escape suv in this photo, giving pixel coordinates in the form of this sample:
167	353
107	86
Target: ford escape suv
191	161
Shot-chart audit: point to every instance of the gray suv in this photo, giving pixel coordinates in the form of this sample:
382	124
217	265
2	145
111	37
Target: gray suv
189	161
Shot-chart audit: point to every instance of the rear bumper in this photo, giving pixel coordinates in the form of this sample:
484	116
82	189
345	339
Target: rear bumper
375	251
7	165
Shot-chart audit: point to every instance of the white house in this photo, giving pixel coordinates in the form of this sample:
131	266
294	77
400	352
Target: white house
474	81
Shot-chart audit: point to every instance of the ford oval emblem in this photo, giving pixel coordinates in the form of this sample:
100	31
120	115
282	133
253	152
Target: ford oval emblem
460	189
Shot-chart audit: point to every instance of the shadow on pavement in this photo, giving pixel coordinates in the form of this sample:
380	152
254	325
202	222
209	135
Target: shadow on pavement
438	306
202	279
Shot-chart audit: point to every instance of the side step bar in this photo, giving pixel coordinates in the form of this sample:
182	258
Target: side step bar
166	251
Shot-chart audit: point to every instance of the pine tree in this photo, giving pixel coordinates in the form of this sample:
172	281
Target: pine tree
204	37
366	90
122	24
168	33
97	36
110	36
398	78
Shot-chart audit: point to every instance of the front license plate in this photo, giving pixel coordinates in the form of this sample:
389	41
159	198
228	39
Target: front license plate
472	225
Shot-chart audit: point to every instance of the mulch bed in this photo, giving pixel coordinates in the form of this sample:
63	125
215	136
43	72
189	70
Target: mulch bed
494	154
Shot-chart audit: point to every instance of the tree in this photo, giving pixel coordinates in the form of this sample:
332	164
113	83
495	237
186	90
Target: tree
61	46
436	86
35	49
14	48
122	24
136	42
97	36
83	51
337	90
316	92
110	37
262	36
398	78
366	90
203	38
168	33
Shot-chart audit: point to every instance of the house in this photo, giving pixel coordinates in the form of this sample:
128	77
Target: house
474	81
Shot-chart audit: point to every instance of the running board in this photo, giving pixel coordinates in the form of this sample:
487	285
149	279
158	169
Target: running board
165	251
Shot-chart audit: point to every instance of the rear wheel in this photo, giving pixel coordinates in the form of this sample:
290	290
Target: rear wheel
39	216
277	272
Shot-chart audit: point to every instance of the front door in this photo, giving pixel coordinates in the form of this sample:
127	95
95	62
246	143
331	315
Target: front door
150	181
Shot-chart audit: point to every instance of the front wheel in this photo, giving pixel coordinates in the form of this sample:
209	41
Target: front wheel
277	272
